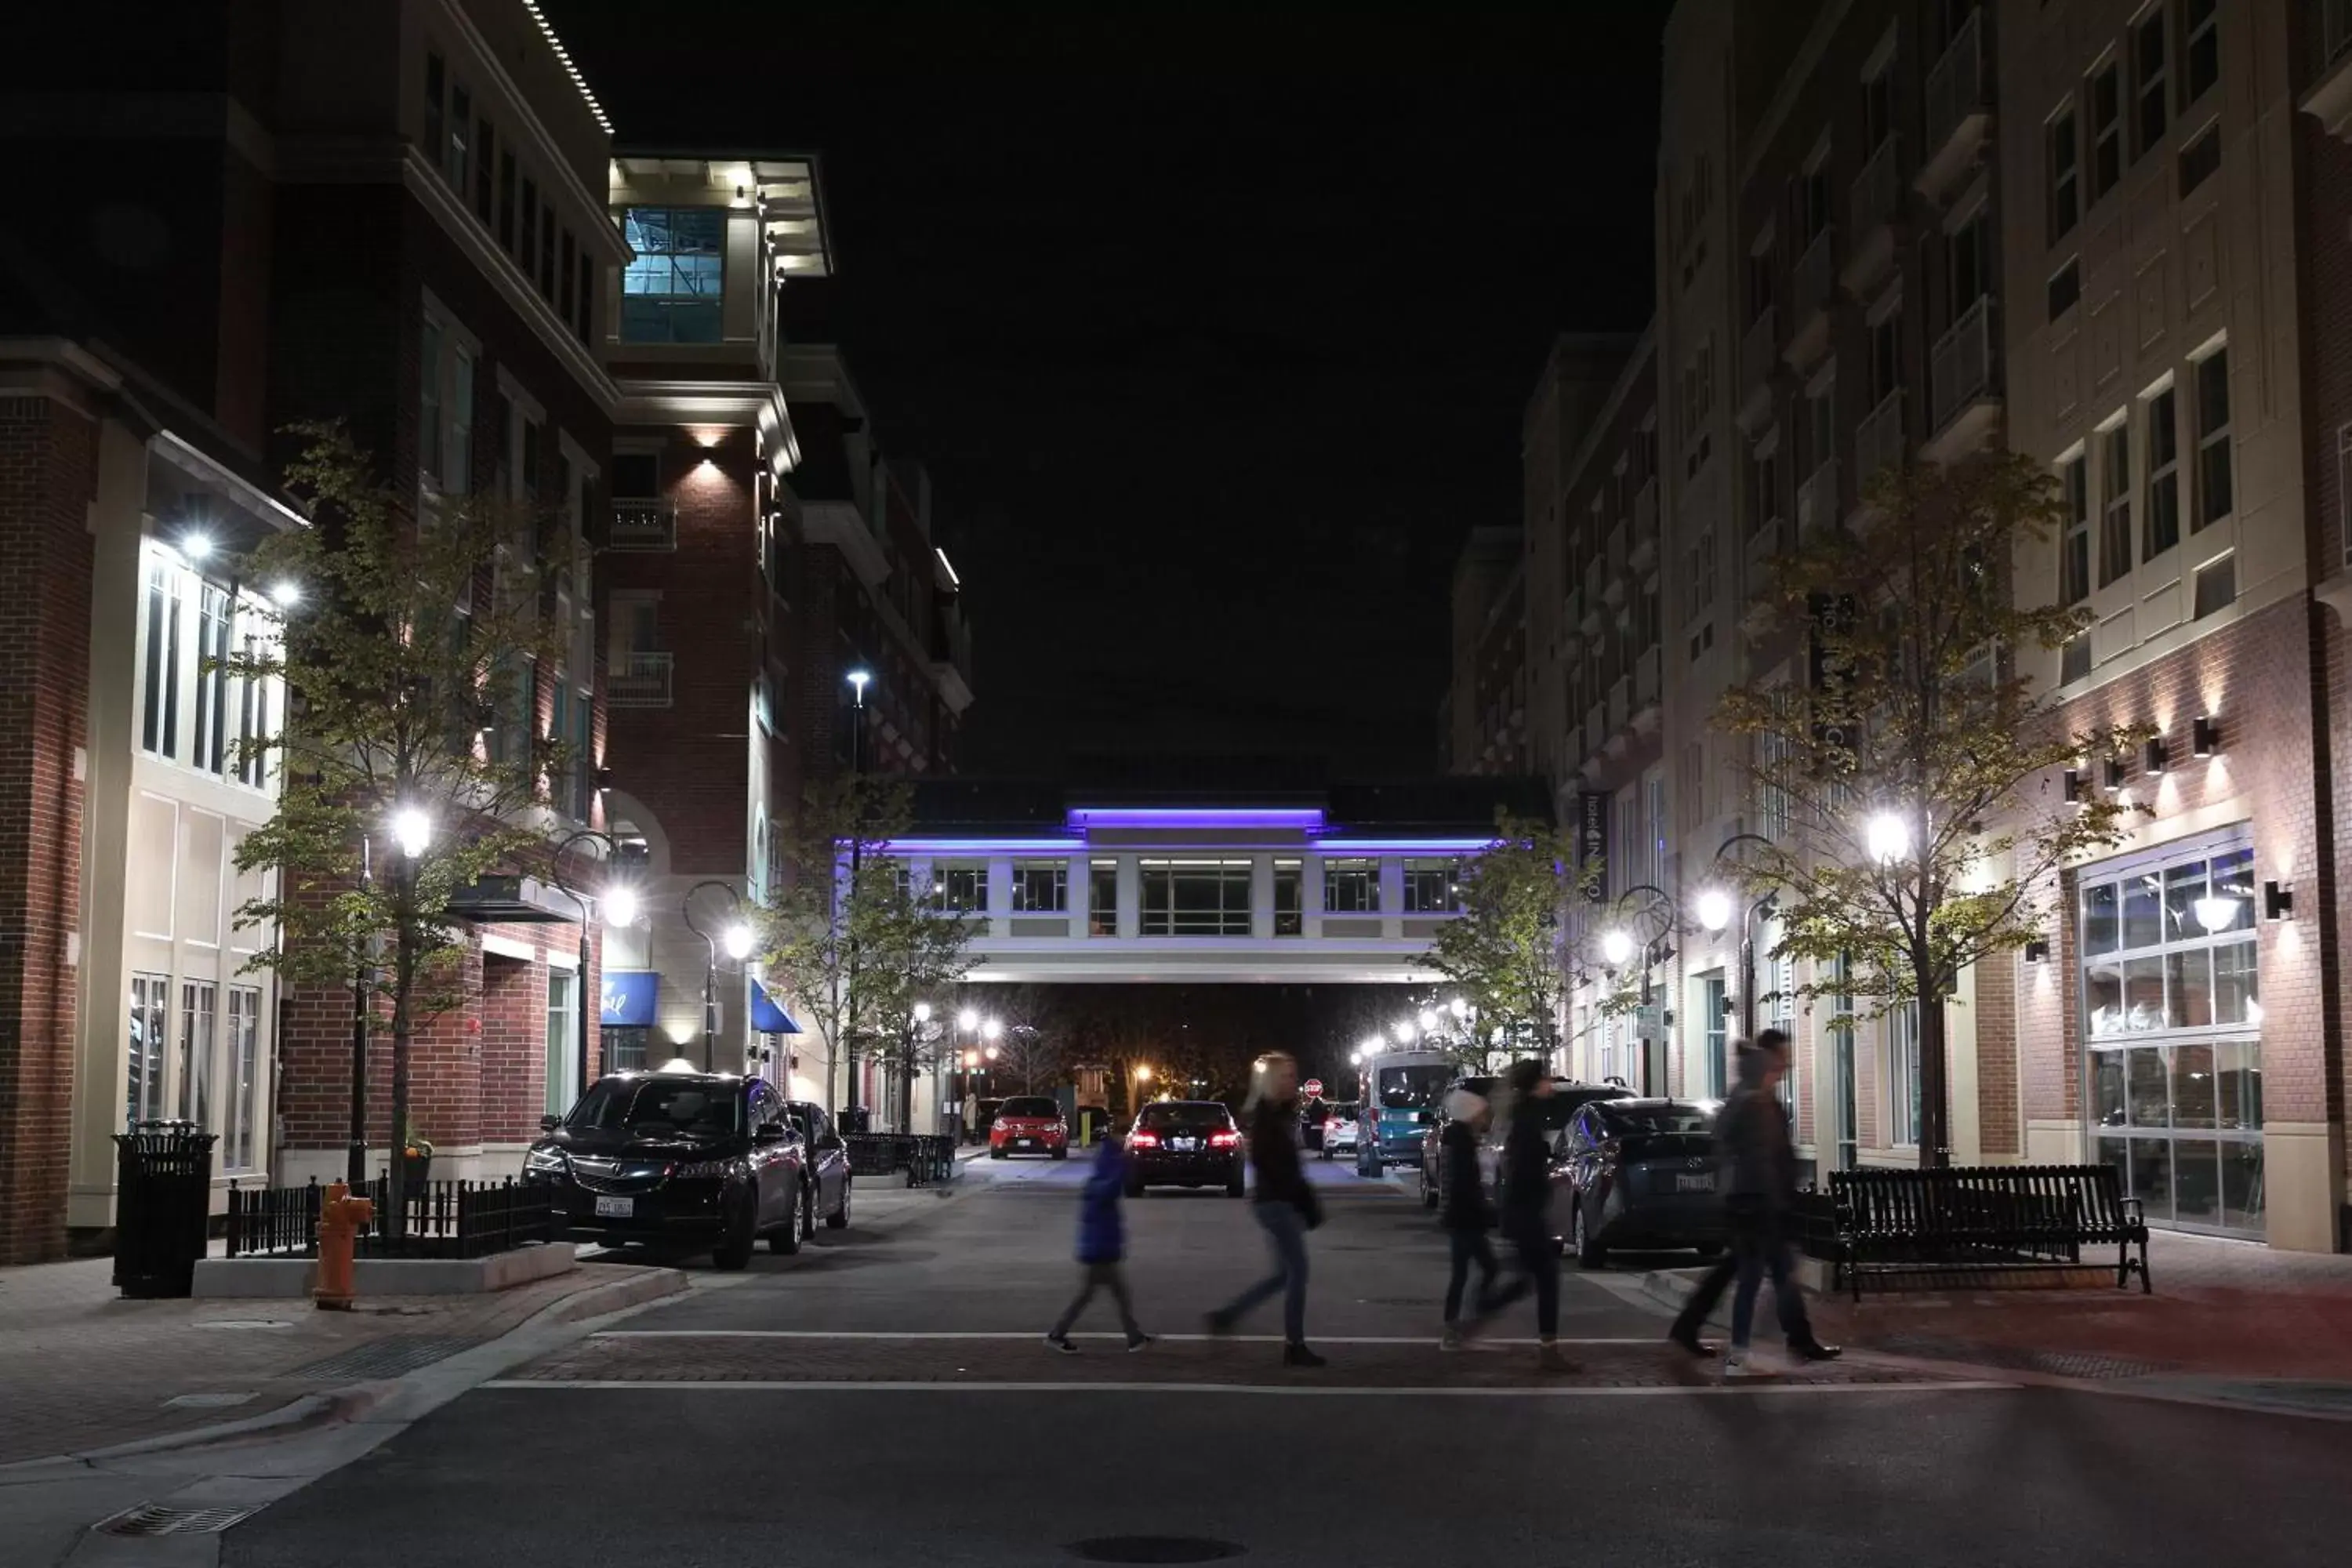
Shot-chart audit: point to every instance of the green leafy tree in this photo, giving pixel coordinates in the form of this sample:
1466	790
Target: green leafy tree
1907	781
1504	954
411	764
855	944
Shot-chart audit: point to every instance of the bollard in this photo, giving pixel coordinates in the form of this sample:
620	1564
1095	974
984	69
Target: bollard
340	1217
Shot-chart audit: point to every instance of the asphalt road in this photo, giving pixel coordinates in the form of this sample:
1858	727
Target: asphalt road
882	1399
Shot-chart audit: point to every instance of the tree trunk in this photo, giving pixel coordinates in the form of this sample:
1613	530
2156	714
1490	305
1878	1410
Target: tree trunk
1935	1109
395	1224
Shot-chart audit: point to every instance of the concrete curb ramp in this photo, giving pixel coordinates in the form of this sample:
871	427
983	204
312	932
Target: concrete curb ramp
253	1278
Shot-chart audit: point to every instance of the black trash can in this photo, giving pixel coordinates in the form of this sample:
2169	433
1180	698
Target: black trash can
163	1181
855	1119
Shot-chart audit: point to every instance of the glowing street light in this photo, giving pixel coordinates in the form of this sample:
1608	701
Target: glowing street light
286	593
1429	1020
1714	909
196	544
412	830
991	1053
922	1012
860	679
1404	1032
991	1030
1887	838
970	1061
1143	1075
737	941
621	906
967	1020
1459	1009
1373	1045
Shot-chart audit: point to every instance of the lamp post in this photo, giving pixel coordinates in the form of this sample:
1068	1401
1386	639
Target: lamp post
1641	937
620	909
737	938
1715	910
362	987
858	678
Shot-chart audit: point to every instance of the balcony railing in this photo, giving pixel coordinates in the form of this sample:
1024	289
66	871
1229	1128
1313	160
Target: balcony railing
1878	439
1960	370
1815	277
1616	588
1596	727
1645	680
1645	525
2335	28
645	525
638	679
1956	84
1621	693
1757	351
1817	497
1877	196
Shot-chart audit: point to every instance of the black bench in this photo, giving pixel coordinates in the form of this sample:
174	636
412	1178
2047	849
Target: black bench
1983	1220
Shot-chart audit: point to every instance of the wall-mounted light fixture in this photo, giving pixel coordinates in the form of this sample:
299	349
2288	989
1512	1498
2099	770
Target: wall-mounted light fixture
2037	951
2278	901
2152	754
2073	781
2205	735
2114	774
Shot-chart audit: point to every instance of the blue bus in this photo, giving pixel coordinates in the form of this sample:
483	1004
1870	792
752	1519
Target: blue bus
1402	1091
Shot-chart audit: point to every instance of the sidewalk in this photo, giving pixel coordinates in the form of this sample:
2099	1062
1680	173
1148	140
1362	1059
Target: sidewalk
86	1370
2221	1310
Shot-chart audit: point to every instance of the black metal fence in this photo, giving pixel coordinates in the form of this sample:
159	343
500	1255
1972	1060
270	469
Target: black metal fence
441	1219
925	1158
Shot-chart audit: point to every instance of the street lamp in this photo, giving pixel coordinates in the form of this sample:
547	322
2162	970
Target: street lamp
1459	1009
620	909
967	1020
1714	909
1714	914
1404	1031
1888	839
412	830
992	1030
860	679
286	593
738	938
738	942
1617	947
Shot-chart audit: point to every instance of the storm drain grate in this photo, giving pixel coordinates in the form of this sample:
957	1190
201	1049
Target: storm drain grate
1153	1549
387	1357
2056	1363
162	1518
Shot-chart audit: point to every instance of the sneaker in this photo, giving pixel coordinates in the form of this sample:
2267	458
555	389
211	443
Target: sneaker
1689	1342
1736	1364
1138	1341
1810	1348
1548	1359
1299	1356
1057	1342
1451	1340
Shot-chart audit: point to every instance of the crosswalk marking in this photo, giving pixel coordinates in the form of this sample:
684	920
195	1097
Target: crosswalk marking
1311	1391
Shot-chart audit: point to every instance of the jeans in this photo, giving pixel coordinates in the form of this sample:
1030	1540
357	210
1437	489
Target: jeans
1538	1270
1756	1250
1105	1276
1286	1233
1469	1246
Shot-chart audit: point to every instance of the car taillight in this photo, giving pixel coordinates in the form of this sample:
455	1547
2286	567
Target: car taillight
1142	1140
1224	1140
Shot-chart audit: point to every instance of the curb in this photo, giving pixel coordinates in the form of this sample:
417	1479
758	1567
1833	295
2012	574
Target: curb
648	1284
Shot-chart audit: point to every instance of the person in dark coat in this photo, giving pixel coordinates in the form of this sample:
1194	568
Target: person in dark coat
1283	1204
1525	1179
1466	1214
1757	1160
1102	1245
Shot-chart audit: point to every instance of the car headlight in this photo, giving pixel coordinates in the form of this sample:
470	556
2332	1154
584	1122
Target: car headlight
546	1161
701	1171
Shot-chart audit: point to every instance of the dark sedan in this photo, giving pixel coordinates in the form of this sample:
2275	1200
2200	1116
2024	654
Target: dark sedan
707	1158
1186	1144
1639	1173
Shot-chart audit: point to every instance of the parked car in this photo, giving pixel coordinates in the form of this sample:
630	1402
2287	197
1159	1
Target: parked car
1432	1142
1029	1125
1639	1173
709	1159
984	1115
1186	1144
1342	1130
827	1169
1567	1098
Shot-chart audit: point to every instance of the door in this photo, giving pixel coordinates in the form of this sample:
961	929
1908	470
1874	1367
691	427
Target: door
831	1164
774	1173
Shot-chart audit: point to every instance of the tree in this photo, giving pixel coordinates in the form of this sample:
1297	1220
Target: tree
1503	954
851	940
412	763
1906	785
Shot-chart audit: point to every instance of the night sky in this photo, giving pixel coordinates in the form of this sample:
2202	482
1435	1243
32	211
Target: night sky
1214	329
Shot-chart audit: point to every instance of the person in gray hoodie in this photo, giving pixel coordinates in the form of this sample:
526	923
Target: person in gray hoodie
1758	1160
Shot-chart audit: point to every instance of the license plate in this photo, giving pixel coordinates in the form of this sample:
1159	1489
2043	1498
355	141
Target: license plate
615	1208
1704	1181
1188	1144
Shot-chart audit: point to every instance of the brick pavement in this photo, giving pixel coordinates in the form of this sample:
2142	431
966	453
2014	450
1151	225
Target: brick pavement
85	1369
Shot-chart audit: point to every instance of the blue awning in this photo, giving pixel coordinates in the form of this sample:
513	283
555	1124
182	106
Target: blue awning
768	1018
628	997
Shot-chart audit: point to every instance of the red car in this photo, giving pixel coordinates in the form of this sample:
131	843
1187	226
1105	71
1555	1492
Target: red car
1029	1125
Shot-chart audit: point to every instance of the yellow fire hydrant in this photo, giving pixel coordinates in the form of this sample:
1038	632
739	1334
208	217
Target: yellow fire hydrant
339	1219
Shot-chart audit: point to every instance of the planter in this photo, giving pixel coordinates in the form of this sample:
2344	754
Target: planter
416	1170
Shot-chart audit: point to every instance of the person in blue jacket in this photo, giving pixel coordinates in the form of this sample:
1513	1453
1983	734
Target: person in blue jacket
1102	1243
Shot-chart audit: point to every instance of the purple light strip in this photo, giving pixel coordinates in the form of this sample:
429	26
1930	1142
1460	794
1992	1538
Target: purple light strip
1402	845
1085	817
985	846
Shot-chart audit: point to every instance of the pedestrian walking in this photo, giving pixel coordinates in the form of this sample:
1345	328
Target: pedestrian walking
1102	1247
1283	1204
1467	1215
1526	1176
1757	1158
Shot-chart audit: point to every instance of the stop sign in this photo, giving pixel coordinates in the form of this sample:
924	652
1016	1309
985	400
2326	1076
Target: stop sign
1314	1087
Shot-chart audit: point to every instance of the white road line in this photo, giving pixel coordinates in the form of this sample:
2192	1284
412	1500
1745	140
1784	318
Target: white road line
1306	1390
1017	1335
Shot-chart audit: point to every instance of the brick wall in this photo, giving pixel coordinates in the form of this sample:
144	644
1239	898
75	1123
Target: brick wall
48	475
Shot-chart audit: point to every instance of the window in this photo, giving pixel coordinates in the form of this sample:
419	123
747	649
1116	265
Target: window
2216	586
2148	79
454	154
160	722
2075	658
2163	475
2114	482
2214	499
1713	1045
1429	886
1699	577
1196	897
2075	545
960	889
1763	493
584	318
1878	107
150	1001
562	1039
671	293
1690	786
507	202
436	97
547	253
1041	887
2065	176
624	1046
527	249
1813	203
1903	1076
2065	288
1102	899
196	1042
213	614
2107	131
1969	249
2203	49
1821	425
485	146
1352	887
1884	371
564	278
2201	159
1289	899
444	410
2343	489
239	1141
252	725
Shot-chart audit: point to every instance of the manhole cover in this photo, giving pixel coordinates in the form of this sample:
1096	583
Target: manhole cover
206	1400
384	1358
1152	1549
162	1518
